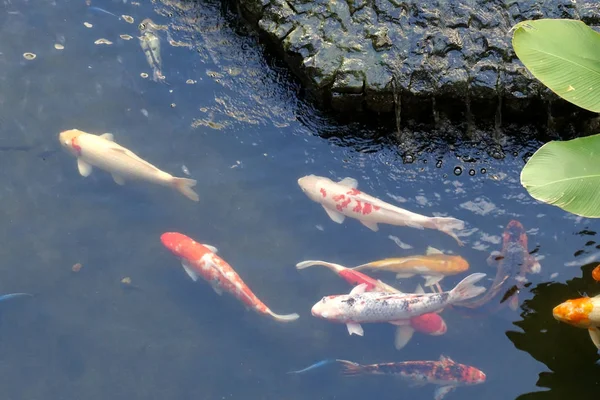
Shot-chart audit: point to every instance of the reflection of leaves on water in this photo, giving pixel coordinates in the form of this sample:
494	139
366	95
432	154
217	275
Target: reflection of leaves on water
566	350
263	95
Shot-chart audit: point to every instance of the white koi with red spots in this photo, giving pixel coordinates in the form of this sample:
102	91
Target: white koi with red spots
370	307
200	260
102	152
342	199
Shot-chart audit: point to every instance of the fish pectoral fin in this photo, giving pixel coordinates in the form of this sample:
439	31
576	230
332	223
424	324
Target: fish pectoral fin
432	250
334	215
403	335
108	136
211	248
84	168
371	225
359	289
431	280
219	291
419	290
513	303
442	391
534	266
595	335
404	275
349	182
355	329
190	271
118	179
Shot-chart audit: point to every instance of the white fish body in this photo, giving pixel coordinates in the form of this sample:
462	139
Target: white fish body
342	199
370	307
102	152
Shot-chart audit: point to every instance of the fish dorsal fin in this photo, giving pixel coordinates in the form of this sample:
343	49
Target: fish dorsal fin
419	289
432	250
349	182
446	360
108	136
359	289
596	296
211	248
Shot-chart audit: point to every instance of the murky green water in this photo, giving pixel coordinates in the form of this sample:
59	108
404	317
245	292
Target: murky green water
242	131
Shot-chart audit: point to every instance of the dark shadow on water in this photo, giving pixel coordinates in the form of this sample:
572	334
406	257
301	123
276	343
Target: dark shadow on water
566	350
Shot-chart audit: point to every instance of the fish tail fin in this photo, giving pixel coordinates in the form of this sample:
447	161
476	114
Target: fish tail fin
313	366
10	296
350	368
448	225
466	288
184	186
310	263
283	317
360	267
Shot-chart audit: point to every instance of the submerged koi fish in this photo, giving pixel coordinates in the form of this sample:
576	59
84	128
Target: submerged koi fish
584	313
445	373
200	260
369	307
596	274
150	43
342	199
101	151
433	266
430	324
513	263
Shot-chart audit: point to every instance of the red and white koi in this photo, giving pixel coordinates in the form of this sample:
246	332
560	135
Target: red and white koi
429	324
200	260
342	199
370	307
101	151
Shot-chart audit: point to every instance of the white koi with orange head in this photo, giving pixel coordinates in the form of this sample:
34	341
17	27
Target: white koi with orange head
102	152
583	313
342	199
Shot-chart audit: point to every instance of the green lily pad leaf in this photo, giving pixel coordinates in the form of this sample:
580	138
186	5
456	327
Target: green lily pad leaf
564	55
566	174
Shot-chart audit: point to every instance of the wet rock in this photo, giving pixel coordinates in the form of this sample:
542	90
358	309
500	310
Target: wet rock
373	54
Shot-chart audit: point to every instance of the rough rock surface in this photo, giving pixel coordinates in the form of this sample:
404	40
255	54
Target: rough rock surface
376	54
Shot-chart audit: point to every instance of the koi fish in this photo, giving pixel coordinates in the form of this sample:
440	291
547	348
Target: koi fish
596	274
433	266
513	264
201	260
445	373
368	307
342	199
150	43
584	313
101	151
430	324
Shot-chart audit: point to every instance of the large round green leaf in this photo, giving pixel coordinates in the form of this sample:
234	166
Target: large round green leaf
564	55
566	174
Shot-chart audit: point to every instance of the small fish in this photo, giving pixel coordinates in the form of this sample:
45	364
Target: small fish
446	374
433	266
596	274
11	296
101	151
94	8
342	199
201	260
430	324
150	43
370	307
583	313
513	264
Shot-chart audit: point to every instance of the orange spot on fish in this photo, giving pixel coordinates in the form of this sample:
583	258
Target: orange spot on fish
353	192
342	202
323	192
367	209
75	145
358	207
596	273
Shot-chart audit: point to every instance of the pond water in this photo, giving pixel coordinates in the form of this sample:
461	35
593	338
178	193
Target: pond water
234	119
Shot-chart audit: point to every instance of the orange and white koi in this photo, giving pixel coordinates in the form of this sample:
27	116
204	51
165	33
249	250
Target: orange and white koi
429	324
101	151
200	260
596	273
433	266
342	199
583	313
370	307
446	374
